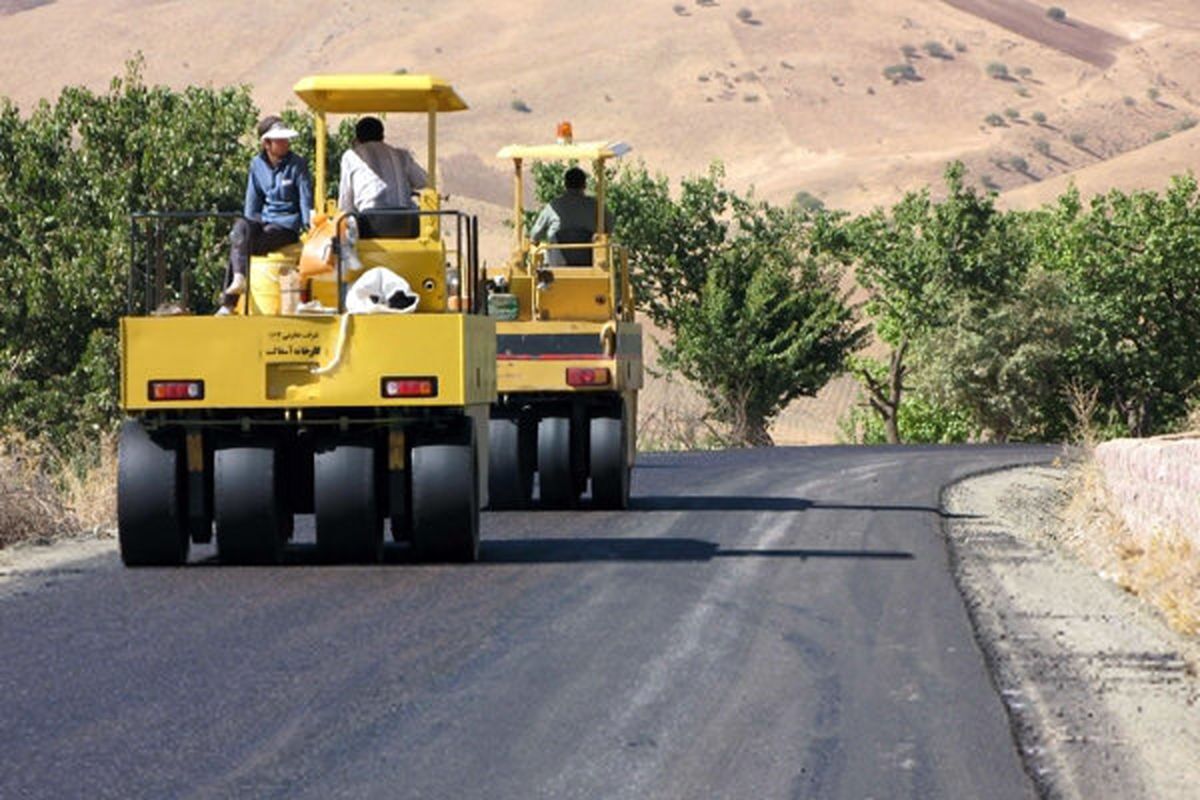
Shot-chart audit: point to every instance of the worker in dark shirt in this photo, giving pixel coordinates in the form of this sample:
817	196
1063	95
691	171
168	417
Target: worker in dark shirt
569	218
279	201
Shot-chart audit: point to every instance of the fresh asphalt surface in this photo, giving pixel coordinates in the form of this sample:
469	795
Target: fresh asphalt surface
763	624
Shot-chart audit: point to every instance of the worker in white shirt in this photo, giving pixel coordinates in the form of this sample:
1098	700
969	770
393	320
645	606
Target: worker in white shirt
377	176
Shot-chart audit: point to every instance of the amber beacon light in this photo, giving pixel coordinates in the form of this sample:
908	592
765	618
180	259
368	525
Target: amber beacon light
565	135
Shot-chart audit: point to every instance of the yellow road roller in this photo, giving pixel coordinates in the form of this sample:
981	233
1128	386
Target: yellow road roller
291	406
569	354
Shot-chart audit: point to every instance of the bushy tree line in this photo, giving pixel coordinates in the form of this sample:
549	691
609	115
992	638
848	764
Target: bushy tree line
990	318
993	321
998	318
70	174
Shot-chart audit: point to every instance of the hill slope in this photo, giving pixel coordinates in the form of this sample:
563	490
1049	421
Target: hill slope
791	96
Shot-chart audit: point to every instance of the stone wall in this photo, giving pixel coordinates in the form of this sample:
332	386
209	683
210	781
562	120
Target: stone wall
1155	483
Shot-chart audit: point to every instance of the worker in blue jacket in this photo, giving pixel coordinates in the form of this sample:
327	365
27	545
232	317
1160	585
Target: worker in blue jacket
279	201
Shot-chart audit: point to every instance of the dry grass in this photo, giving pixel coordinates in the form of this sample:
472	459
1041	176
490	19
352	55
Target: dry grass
45	495
1162	568
90	490
665	424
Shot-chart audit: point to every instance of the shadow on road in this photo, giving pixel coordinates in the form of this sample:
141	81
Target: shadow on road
560	551
581	550
749	503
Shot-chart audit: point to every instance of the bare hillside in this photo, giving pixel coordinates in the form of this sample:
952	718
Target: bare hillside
789	95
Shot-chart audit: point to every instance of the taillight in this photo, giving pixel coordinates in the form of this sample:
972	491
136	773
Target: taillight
176	390
587	376
409	387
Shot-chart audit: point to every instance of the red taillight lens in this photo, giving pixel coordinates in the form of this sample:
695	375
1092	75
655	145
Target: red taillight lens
176	390
587	376
409	387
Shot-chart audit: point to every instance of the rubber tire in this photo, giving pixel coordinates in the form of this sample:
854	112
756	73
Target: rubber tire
510	466
247	506
346	503
445	503
152	524
609	464
556	479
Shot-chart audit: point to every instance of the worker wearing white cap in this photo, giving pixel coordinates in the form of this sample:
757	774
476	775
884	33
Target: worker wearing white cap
279	201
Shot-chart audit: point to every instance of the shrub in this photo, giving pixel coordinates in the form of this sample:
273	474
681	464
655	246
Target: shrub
909	51
1023	92
989	182
1153	93
46	492
680	9
900	72
1056	13
995	120
808	201
936	50
1012	113
1129	101
1023	72
1159	136
920	421
520	105
1038	117
998	71
745	15
960	47
1042	146
1185	124
1078	138
28	509
1018	164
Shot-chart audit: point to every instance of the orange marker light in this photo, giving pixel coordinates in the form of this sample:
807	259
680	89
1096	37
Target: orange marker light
588	376
408	387
565	135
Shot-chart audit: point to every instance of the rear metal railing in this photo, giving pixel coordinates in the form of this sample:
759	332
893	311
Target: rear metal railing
175	263
178	259
464	256
608	257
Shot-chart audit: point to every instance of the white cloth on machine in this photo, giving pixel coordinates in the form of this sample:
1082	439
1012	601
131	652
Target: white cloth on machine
381	291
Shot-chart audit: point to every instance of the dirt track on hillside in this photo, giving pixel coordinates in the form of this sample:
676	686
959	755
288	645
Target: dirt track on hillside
17	6
1077	39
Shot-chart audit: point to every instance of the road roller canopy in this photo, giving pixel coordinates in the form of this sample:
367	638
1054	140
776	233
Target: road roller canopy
375	94
378	93
576	151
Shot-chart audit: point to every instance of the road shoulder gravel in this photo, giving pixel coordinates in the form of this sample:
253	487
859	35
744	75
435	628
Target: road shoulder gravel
1103	697
44	563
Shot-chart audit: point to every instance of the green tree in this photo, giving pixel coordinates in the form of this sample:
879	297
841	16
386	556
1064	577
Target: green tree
1133	265
771	324
747	291
1004	364
672	240
916	260
70	174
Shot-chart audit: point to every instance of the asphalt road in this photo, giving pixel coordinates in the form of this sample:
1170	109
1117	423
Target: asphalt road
763	624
